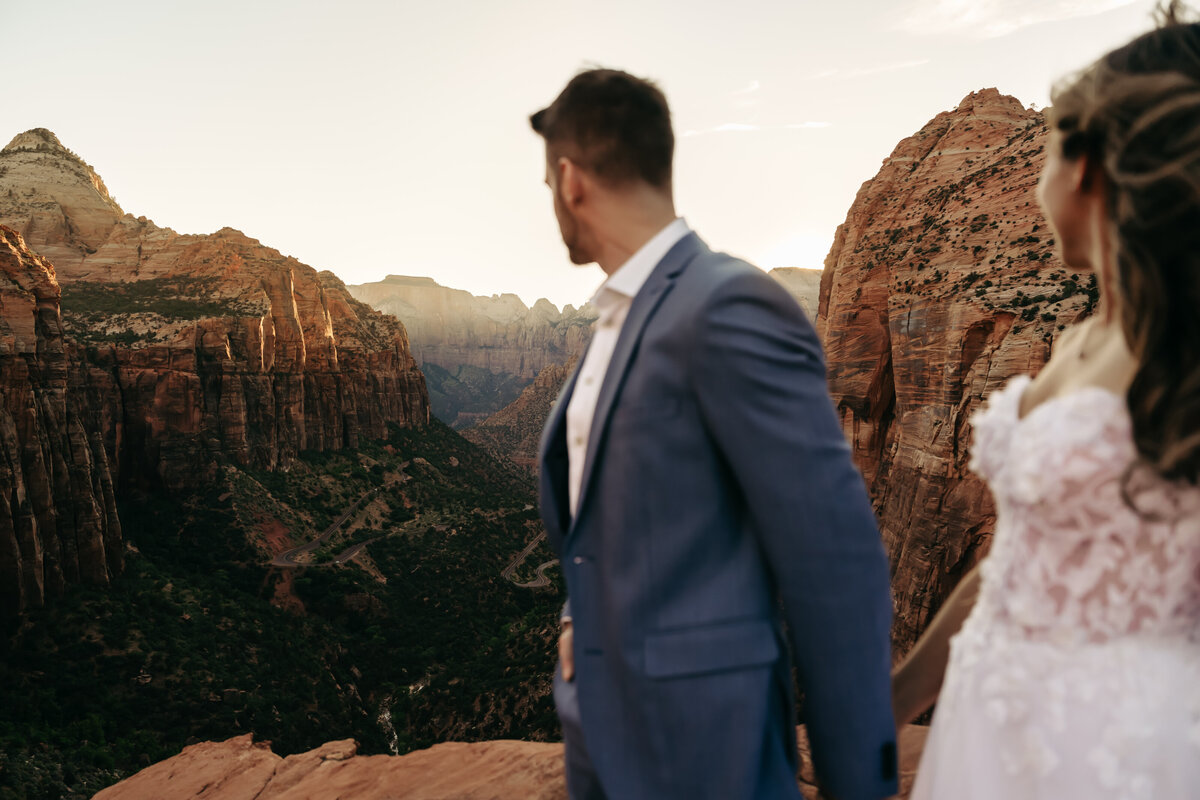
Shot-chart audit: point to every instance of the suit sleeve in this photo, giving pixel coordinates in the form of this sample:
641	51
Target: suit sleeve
760	382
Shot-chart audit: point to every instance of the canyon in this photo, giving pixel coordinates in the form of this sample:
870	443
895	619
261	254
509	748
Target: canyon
478	353
176	352
131	355
514	432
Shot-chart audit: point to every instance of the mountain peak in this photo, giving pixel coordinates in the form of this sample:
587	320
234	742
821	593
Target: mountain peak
31	147
990	100
36	139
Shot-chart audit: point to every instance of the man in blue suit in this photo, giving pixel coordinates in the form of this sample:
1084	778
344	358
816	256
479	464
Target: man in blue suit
696	483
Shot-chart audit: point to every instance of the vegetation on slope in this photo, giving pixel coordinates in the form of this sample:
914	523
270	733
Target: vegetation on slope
415	641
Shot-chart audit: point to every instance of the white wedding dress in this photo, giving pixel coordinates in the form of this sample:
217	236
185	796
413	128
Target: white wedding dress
1077	674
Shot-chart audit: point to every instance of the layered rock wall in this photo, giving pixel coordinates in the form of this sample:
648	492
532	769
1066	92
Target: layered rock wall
58	519
941	285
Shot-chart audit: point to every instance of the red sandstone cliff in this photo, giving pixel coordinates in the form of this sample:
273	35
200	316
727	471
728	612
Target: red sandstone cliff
942	283
187	350
58	520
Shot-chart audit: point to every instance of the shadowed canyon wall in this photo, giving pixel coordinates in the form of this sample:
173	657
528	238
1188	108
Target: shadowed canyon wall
58	516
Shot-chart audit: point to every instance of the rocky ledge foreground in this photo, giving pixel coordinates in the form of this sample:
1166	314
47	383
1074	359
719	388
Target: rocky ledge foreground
242	769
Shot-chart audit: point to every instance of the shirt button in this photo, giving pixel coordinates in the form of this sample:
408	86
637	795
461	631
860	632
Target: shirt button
578	440
588	381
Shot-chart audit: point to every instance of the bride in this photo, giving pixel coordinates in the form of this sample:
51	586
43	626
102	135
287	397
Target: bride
1076	673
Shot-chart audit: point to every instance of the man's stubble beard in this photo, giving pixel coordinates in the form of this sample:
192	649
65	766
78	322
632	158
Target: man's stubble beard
571	236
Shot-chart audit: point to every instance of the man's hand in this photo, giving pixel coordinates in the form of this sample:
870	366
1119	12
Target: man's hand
566	655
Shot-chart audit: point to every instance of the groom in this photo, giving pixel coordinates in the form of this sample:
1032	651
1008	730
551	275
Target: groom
695	481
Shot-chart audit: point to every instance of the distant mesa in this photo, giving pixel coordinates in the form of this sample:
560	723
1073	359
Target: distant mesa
802	284
477	353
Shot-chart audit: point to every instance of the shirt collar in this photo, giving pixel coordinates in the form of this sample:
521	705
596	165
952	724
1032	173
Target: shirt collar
629	278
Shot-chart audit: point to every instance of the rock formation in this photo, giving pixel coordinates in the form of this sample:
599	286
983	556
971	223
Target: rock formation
802	284
477	352
241	769
58	518
942	283
514	432
450	327
189	350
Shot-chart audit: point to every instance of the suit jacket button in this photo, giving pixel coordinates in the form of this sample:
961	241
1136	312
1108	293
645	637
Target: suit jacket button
579	559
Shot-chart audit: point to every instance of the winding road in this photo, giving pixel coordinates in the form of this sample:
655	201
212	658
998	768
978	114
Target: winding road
288	557
541	579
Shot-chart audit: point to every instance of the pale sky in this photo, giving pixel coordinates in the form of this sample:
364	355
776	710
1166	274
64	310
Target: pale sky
371	138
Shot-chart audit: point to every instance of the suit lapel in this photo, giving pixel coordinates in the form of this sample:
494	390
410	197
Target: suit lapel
642	309
553	470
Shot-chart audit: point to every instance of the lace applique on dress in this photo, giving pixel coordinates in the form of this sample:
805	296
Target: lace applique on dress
1080	663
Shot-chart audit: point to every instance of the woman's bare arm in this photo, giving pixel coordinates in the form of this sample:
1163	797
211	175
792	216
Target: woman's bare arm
918	678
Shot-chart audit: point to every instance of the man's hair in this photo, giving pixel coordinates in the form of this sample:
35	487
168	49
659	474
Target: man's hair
613	124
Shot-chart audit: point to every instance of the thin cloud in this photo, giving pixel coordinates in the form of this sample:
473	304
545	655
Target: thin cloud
990	19
753	87
808	125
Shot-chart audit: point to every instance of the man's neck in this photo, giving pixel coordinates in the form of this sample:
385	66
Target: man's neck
629	236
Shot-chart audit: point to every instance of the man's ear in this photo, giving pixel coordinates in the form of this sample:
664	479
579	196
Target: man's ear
572	184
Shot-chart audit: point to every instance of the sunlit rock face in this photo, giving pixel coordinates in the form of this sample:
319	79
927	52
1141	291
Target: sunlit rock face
942	284
184	350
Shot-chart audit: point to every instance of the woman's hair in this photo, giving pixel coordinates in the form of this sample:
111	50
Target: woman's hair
1136	114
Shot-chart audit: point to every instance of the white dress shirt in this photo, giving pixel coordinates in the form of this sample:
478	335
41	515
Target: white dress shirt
612	300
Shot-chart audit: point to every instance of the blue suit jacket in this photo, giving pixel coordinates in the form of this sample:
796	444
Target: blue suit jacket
720	519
